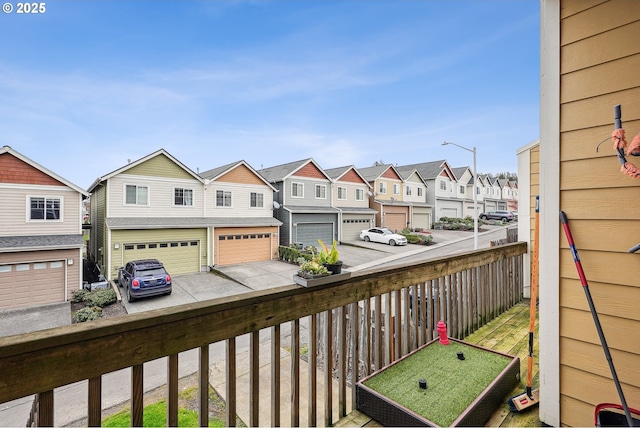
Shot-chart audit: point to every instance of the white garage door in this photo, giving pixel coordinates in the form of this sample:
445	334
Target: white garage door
176	256
449	212
422	221
31	284
351	228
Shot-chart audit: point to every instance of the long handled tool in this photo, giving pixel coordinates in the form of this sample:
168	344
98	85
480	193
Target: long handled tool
603	341
530	397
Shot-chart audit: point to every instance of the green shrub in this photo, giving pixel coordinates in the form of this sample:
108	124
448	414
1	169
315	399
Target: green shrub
292	254
78	296
87	314
101	297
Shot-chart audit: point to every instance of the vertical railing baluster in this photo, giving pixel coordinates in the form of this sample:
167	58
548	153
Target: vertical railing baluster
254	378
203	386
94	411
275	375
378	349
295	373
354	319
172	390
342	362
230	382
366	337
328	366
388	330
137	395
397	325
45	409
313	373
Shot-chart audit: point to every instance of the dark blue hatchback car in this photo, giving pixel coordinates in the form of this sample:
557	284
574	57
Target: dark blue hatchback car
143	278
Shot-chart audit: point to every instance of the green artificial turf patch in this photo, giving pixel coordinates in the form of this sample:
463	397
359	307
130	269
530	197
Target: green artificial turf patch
452	384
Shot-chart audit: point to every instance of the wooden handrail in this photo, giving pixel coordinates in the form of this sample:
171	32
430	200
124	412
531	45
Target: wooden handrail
41	361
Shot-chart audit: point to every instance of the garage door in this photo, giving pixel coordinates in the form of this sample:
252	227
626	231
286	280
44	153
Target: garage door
31	284
395	221
242	248
176	256
309	233
449	212
422	221
351	228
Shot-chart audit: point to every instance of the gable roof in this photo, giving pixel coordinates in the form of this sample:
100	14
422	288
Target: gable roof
337	173
373	172
430	170
459	171
140	161
215	173
406	173
23	158
281	172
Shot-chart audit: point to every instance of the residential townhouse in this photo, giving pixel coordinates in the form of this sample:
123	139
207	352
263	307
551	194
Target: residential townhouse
415	194
493	198
41	239
303	202
350	195
465	190
387	198
156	207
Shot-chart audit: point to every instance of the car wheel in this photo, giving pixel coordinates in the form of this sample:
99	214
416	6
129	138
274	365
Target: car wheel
367	239
483	217
130	298
168	293
392	242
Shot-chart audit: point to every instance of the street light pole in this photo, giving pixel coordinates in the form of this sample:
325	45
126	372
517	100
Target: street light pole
475	193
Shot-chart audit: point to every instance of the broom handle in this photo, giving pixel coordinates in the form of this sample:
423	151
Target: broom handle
534	293
592	308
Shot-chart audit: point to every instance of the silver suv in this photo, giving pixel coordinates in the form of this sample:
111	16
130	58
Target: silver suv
497	215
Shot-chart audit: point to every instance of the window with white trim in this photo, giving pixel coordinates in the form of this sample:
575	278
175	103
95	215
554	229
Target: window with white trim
359	195
443	185
408	190
297	190
183	197
256	200
419	191
45	208
383	187
223	198
321	191
396	189
462	190
136	195
342	193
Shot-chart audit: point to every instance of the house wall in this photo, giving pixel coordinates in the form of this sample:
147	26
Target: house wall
351	195
599	60
14	220
240	200
309	197
414	182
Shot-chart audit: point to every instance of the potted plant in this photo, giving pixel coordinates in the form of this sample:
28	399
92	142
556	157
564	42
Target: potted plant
329	257
310	269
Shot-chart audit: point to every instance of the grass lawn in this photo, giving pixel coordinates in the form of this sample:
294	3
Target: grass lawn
452	384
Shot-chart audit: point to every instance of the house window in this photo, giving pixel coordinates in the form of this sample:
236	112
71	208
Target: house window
383	187
408	190
359	195
477	190
321	191
419	191
257	200
297	190
443	185
136	195
183	197
45	208
223	198
396	189
342	193
462	190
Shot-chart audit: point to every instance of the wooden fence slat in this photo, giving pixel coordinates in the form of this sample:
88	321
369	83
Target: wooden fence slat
328	369
254	378
313	372
137	395
172	390
94	411
295	373
203	386
275	375
45	409
230	381
342	361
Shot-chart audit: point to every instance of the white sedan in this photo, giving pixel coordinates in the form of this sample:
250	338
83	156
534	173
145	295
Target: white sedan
383	235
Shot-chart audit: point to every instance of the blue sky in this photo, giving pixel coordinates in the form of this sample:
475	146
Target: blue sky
89	84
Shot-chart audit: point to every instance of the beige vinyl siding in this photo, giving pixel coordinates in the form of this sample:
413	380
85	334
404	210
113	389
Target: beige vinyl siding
240	200
415	182
15	215
600	59
122	237
351	196
160	197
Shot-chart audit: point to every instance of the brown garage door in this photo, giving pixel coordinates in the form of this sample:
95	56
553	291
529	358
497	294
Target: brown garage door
31	284
395	221
233	248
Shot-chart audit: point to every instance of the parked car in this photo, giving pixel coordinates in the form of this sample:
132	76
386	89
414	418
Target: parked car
497	215
383	235
143	278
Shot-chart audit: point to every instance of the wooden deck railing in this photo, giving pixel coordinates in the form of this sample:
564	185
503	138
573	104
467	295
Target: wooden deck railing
354	326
